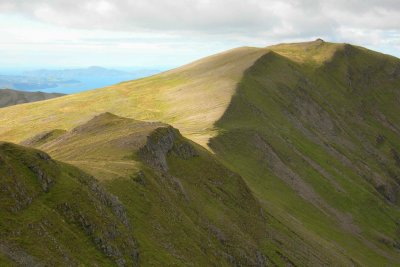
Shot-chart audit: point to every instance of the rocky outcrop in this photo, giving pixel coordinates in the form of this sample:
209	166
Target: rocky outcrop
17	169
160	143
111	232
107	235
46	181
19	256
107	199
17	193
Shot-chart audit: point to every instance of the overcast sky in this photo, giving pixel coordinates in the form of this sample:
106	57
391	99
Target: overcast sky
164	33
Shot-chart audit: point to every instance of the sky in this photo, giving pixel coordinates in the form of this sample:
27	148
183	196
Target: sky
169	33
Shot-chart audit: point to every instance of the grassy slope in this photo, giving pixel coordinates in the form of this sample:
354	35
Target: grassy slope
318	124
190	98
51	214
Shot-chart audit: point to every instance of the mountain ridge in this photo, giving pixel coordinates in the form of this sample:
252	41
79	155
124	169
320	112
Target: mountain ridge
306	134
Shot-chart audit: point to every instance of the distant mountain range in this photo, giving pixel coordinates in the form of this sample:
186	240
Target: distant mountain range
70	80
78	72
10	97
31	83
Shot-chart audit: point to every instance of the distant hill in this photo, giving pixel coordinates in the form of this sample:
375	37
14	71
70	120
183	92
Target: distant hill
70	80
10	97
81	79
33	83
76	73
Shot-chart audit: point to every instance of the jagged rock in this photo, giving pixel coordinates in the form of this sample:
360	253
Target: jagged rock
388	191
261	260
158	145
140	178
17	191
221	237
43	156
14	186
19	256
112	202
161	142
185	150
396	156
380	139
46	182
103	235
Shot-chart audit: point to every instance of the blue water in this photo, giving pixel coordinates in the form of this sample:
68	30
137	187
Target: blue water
88	84
85	83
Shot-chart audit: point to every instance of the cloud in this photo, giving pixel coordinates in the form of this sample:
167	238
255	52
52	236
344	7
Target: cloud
209	25
250	17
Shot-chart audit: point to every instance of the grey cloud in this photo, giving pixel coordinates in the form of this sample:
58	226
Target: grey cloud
253	18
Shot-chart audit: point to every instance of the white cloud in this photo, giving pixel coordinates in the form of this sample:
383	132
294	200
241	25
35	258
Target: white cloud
252	16
194	25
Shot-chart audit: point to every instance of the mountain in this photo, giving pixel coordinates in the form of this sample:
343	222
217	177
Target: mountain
70	80
76	73
289	156
31	83
82	79
10	97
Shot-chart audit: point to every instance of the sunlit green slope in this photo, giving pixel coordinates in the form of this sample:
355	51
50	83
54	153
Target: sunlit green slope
190	98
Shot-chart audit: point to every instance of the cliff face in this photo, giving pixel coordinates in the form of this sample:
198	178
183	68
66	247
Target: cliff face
161	142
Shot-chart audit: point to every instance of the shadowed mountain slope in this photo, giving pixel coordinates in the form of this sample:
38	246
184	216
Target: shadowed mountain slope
10	97
321	142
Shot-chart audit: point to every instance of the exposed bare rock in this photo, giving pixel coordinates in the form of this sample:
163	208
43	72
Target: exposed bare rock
16	188
19	256
162	141
46	181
